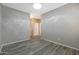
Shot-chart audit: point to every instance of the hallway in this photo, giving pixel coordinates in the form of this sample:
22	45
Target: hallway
49	29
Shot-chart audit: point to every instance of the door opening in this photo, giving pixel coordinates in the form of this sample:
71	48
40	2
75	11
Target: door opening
35	27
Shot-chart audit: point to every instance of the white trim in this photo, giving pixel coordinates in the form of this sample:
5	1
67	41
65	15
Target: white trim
13	42
61	44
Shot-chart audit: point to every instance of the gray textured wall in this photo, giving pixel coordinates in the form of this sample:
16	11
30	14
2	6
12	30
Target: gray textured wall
62	25
0	27
14	25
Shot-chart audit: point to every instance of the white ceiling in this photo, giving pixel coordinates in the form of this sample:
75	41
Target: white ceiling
28	7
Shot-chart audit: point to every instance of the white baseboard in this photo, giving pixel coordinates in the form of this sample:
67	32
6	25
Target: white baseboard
13	42
61	44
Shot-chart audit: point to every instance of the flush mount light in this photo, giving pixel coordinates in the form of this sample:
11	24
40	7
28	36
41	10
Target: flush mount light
37	6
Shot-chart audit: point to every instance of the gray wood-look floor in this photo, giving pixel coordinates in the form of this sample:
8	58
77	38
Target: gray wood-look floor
37	47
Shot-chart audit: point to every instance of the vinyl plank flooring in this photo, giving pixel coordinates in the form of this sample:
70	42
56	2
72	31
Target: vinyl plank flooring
37	47
46	50
60	51
28	48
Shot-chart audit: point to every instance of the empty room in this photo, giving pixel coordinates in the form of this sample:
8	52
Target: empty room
39	28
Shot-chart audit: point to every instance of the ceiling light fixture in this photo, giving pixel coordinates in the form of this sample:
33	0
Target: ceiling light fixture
37	6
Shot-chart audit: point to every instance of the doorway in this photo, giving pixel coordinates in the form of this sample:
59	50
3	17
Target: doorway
35	28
